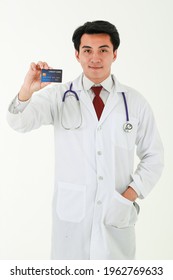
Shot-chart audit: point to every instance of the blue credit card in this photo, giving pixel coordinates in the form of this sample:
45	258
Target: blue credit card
51	75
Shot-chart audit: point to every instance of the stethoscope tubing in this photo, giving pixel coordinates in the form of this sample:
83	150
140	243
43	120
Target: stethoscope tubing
126	107
72	91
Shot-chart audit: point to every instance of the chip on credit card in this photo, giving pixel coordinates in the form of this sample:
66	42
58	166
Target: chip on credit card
51	75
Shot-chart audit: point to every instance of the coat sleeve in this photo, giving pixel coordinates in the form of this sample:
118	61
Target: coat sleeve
38	111
150	152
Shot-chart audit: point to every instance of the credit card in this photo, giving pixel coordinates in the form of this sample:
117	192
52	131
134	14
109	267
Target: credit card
51	75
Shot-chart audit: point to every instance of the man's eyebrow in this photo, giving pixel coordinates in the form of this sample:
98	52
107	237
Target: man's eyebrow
88	47
103	46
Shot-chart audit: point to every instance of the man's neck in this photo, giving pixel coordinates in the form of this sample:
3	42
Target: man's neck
97	81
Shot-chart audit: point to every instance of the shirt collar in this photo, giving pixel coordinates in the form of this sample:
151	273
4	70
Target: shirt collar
107	84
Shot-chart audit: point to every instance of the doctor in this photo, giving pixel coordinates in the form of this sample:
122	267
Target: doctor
96	185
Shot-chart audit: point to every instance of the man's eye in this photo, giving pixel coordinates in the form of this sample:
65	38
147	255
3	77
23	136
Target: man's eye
87	51
103	50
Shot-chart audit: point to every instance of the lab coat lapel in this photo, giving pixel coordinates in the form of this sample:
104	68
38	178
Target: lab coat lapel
86	100
110	104
113	99
83	96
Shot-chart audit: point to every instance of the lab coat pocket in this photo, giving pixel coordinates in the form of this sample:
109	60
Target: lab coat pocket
121	212
71	202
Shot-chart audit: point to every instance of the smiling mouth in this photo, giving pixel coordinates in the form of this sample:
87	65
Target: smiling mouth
94	67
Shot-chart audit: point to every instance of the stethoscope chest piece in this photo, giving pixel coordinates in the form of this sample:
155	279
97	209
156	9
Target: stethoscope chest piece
127	127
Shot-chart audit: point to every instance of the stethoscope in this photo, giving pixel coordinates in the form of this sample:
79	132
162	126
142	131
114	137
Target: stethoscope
127	127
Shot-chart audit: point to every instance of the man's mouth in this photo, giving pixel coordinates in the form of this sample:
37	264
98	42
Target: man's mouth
95	67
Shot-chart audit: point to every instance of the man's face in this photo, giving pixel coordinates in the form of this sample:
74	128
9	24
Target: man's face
96	56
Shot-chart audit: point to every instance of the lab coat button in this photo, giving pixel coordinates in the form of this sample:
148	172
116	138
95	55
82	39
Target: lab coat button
99	128
100	178
99	153
99	202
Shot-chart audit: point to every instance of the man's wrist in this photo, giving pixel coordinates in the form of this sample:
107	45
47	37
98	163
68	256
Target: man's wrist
24	94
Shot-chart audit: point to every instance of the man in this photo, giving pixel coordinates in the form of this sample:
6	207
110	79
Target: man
94	208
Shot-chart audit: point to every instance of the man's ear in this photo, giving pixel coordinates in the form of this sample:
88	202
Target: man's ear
77	55
114	55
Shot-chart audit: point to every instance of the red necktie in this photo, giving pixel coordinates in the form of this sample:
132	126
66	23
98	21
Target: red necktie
97	101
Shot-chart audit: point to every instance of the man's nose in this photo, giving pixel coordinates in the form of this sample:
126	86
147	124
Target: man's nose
95	58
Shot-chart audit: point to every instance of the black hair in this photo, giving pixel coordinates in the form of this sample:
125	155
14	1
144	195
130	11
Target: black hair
96	27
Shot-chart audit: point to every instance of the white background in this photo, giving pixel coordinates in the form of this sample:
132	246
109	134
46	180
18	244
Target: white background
41	30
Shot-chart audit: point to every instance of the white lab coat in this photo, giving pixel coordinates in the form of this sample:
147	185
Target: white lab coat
93	166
